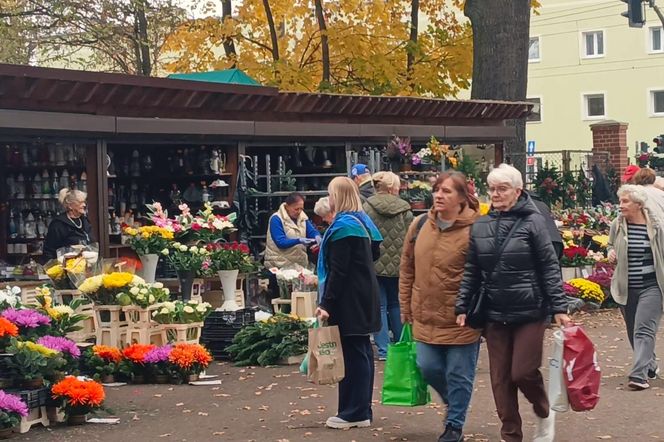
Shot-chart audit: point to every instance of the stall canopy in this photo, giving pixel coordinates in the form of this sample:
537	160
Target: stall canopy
69	99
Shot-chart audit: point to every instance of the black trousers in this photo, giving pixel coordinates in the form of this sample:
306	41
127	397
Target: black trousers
356	389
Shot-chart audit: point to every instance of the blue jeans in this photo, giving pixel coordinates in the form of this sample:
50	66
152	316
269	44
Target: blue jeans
390	313
450	370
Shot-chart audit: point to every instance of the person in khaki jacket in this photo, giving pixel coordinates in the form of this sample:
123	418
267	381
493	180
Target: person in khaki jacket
432	266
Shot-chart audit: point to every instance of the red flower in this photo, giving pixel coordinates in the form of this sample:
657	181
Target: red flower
196	227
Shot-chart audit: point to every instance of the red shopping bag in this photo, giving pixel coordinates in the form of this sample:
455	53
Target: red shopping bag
582	372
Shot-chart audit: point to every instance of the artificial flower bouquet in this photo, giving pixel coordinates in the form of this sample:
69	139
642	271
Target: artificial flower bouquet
147	240
180	312
288	277
231	256
186	258
10	297
399	148
205	226
12	409
102	361
72	265
143	295
103	289
79	396
188	359
133	364
64	318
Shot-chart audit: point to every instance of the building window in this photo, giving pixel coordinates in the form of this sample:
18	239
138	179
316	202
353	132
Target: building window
534	49
657	100
656	41
536	114
594	106
593	44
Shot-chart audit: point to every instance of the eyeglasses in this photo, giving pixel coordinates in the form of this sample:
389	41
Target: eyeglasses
499	189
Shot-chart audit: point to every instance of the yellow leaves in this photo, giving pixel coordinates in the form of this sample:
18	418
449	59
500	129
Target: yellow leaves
368	43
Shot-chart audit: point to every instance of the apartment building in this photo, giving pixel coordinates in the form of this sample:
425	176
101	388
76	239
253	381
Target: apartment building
587	65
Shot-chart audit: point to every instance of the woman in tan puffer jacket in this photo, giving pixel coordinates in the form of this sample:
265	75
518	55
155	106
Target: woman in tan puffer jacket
432	265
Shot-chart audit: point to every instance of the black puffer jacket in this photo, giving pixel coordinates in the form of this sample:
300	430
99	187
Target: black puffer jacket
526	284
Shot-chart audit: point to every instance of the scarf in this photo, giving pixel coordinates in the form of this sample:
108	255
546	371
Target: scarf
345	224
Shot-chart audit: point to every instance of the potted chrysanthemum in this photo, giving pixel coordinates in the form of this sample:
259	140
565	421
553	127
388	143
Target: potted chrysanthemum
79	398
12	409
188	361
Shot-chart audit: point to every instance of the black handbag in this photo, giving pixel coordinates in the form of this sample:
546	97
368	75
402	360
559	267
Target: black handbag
475	317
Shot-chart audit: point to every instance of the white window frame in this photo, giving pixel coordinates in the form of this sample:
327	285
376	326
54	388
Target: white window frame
539	47
584	106
651	102
649	40
541	111
583	48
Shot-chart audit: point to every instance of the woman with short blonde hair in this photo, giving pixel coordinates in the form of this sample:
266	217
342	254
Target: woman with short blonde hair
348	298
70	227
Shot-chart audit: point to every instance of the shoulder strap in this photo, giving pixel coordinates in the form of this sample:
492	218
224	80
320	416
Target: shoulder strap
501	249
420	223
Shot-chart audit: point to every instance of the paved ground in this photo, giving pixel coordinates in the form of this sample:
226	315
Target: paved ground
277	404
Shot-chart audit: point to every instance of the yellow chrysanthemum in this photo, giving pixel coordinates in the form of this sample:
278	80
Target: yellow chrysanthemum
55	272
60	310
484	208
91	285
588	290
601	240
116	280
37	348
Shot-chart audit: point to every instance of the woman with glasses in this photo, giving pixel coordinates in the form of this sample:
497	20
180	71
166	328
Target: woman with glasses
511	262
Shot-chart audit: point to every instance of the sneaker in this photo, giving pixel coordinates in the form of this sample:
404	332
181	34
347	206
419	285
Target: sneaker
546	428
339	424
653	374
382	358
637	385
451	434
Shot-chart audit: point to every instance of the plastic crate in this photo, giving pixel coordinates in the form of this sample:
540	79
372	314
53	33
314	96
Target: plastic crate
33	398
239	317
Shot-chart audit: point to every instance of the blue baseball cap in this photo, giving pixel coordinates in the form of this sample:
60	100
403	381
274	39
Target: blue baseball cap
359	169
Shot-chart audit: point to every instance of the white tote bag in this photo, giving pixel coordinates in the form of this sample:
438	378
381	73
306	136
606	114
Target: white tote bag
557	389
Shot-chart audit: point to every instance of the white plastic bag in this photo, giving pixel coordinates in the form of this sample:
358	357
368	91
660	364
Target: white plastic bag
557	389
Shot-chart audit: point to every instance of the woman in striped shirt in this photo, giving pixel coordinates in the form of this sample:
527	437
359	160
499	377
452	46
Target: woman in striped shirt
635	245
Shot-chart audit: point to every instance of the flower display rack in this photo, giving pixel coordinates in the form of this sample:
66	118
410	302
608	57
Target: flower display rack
110	325
64	297
141	329
32	398
35	416
187	333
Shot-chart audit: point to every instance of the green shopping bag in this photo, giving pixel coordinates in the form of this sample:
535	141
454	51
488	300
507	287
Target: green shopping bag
403	384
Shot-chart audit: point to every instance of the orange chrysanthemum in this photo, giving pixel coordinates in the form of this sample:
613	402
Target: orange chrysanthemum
136	352
79	393
186	355
7	328
107	353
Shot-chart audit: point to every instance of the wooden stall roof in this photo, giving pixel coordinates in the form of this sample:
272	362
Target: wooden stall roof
67	91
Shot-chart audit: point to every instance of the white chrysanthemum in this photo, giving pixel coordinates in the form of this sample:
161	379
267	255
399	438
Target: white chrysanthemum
193	249
151	299
165	252
201	308
167	291
137	280
134	290
183	248
144	291
91	285
164	311
63	310
158	285
188	309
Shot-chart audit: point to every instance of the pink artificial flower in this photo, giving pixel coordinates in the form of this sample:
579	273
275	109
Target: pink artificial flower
184	209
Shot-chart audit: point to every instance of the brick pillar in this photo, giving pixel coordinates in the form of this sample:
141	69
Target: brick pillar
610	137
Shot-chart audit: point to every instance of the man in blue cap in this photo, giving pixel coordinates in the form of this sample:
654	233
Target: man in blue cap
361	174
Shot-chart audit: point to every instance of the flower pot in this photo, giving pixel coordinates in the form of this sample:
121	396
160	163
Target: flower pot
6	433
571	273
55	414
228	283
149	262
192	378
161	379
138	379
186	283
107	379
76	419
33	384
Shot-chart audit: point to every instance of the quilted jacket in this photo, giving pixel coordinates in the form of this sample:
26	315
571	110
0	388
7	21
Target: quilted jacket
392	216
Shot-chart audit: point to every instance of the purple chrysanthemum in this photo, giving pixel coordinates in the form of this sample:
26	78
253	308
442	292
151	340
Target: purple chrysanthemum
26	317
63	345
159	354
12	404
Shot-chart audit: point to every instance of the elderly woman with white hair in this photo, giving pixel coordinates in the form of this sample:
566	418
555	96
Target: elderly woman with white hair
638	280
322	209
71	227
512	265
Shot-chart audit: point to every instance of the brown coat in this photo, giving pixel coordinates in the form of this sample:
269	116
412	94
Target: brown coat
430	276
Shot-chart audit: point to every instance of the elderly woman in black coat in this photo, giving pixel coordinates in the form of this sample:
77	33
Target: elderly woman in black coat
520	287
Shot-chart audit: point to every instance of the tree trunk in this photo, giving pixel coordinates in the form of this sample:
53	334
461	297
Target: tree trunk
144	66
229	45
501	30
412	41
273	30
325	47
